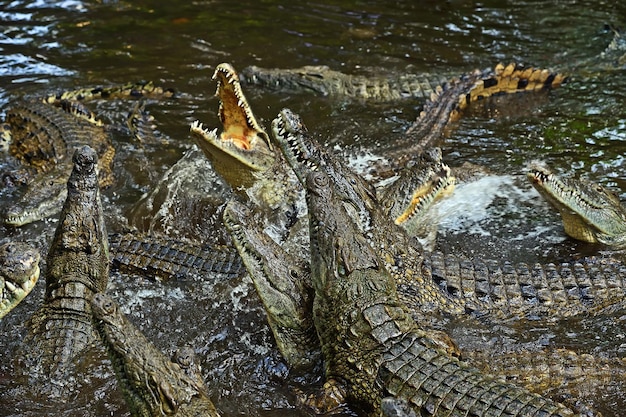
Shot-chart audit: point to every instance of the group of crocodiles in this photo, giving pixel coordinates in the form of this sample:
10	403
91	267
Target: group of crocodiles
363	297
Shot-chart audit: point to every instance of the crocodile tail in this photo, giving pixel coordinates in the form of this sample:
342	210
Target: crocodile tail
448	102
509	79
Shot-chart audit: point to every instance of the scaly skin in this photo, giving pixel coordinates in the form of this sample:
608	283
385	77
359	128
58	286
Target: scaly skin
590	212
370	342
447	282
77	267
559	372
44	134
19	272
324	81
171	259
282	281
44	137
153	385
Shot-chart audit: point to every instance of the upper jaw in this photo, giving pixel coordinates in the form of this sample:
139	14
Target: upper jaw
242	137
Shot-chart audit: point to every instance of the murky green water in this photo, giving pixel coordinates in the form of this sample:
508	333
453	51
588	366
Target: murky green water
49	46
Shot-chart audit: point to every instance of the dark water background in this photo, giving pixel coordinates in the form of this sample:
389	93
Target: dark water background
50	46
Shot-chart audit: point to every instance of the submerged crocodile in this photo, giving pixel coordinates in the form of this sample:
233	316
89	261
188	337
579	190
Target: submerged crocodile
370	343
167	258
19	272
153	384
589	211
43	134
77	266
327	82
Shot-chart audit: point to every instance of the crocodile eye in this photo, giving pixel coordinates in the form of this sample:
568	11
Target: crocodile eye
108	306
320	180
293	273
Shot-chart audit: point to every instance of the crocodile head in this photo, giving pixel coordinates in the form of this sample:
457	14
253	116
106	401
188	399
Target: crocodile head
590	212
282	282
242	145
337	247
418	187
152	383
43	197
305	155
19	272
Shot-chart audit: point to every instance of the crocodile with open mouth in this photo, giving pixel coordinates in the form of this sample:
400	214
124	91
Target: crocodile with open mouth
590	212
19	272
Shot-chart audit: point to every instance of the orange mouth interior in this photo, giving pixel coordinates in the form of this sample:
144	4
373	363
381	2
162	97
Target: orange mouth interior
237	130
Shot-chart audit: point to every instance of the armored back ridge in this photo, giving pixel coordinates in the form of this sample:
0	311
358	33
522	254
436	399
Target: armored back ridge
370	343
77	267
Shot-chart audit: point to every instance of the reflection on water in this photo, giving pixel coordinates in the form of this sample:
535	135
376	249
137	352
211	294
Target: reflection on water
48	46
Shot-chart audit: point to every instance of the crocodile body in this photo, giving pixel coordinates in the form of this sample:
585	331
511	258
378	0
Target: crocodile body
77	267
43	134
559	372
324	81
327	82
19	272
153	385
451	283
44	137
590	212
166	259
370	342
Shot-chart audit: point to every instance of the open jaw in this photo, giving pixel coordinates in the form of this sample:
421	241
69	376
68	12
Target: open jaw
19	274
440	184
590	212
242	138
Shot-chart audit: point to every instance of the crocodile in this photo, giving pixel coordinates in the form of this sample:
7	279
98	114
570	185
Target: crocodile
153	384
19	272
590	212
327	82
322	80
283	283
168	258
43	134
77	266
452	283
371	344
557	373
